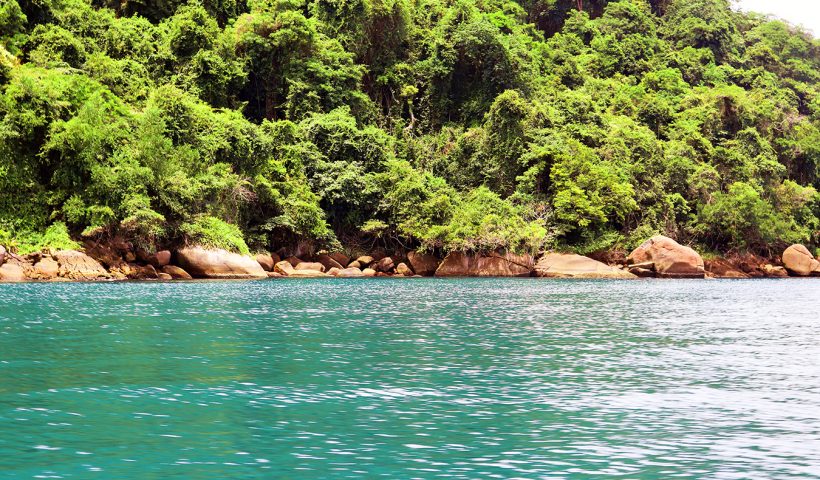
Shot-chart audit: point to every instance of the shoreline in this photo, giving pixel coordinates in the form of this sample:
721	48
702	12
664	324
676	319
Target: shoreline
659	257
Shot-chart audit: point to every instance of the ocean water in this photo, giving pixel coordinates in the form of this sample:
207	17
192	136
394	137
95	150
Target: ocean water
415	378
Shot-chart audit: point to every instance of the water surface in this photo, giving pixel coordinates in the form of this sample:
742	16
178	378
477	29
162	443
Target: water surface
417	378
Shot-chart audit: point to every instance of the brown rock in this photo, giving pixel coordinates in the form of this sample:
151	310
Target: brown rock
293	260
333	271
642	272
669	258
130	257
355	264
422	263
403	269
458	264
12	272
107	256
176	273
160	259
568	265
274	275
164	276
47	268
799	261
384	265
2	255
76	265
340	258
329	262
775	272
722	268
266	261
365	260
369	272
350	272
215	263
284	268
142	272
310	266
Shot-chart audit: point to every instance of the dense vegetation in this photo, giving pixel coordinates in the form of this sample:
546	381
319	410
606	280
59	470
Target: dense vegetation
446	124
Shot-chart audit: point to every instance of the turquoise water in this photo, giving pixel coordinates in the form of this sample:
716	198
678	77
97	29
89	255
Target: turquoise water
417	378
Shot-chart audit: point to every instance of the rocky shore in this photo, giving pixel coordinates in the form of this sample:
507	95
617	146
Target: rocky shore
658	257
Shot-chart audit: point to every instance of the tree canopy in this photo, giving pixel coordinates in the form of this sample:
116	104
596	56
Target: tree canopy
440	124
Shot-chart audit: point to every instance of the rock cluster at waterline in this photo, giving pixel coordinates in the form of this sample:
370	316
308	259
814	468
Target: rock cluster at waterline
660	257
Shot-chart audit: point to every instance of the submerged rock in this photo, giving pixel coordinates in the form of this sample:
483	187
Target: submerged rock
422	263
667	258
799	261
216	263
568	265
458	264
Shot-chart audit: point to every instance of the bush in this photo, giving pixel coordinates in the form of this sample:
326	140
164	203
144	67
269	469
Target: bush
212	232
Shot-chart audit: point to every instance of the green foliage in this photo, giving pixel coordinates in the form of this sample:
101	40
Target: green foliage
210	231
471	125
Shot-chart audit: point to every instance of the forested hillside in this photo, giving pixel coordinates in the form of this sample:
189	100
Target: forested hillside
443	124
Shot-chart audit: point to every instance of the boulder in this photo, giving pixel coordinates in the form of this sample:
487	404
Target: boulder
403	269
365	260
668	258
274	275
350	272
293	261
283	268
329	262
340	258
722	268
176	273
76	265
107	256
12	272
569	265
384	265
142	272
47	268
333	271
160	259
164	276
216	263
422	263
354	264
775	272
369	272
267	261
2	255
799	261
310	266
458	264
